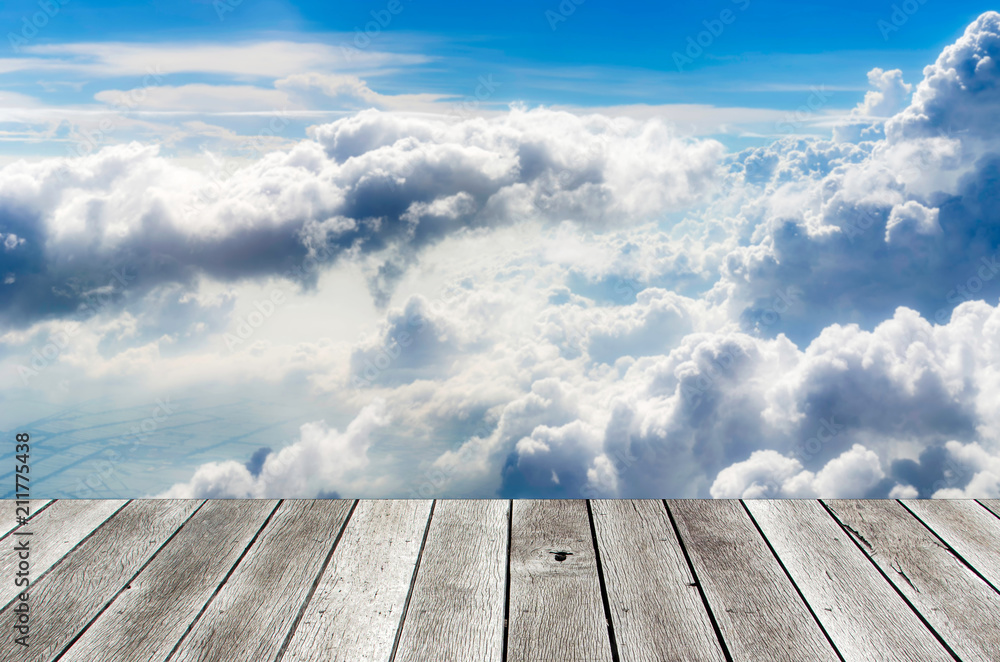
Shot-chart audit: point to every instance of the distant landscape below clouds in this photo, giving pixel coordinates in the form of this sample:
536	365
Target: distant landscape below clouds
472	294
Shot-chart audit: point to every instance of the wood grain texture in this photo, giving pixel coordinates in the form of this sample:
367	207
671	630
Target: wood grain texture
355	612
65	600
556	611
971	530
456	608
656	610
993	505
8	522
864	616
249	619
759	613
962	608
54	532
145	622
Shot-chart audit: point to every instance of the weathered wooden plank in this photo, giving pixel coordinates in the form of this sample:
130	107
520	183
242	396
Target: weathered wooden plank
456	609
993	505
54	532
864	616
656	610
962	608
250	618
759	613
10	513
355	612
556	611
145	622
971	530
65	600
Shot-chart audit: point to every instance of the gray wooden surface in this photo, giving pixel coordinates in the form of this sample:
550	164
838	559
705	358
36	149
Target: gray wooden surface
358	605
456	609
67	599
556	611
759	612
859	609
8	522
419	581
972	531
146	621
957	604
54	532
250	618
656	609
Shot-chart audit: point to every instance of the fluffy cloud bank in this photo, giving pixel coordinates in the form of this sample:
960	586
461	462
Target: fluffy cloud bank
629	313
322	461
373	185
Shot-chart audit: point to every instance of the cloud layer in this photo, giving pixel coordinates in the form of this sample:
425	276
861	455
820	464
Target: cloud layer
567	305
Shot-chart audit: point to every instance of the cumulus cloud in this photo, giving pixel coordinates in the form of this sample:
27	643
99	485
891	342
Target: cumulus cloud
769	475
625	312
373	184
888	96
321	461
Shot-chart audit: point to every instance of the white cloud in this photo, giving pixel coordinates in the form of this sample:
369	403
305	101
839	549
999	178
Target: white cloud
323	460
571	305
272	59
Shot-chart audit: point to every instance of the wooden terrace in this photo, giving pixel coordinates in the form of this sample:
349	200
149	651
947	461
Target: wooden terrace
503	581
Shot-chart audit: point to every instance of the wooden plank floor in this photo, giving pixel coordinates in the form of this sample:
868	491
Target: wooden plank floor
498	581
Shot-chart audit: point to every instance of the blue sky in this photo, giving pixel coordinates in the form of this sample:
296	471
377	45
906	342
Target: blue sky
766	55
